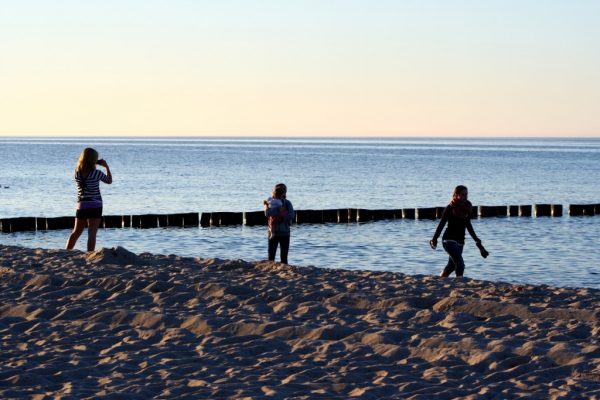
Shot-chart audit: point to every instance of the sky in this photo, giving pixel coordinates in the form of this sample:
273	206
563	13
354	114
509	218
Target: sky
371	68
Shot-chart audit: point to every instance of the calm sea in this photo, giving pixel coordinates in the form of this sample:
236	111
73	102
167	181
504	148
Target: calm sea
236	174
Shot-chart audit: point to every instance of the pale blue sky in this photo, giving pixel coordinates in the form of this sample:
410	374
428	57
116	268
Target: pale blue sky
328	67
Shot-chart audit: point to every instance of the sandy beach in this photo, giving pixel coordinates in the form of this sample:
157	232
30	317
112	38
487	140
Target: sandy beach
126	326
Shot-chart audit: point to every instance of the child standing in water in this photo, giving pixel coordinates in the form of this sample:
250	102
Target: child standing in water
458	216
272	203
280	214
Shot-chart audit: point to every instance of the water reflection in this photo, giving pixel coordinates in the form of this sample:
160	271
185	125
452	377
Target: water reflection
553	251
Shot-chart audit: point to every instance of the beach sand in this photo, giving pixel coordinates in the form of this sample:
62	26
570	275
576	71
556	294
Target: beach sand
126	326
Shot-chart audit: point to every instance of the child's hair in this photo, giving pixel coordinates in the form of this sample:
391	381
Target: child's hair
460	208
87	161
279	191
458	190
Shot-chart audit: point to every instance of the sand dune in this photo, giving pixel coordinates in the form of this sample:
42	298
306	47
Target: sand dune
126	326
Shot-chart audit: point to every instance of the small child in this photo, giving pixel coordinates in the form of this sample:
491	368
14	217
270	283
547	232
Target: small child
272	202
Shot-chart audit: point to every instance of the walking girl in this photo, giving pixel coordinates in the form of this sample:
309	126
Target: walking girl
458	216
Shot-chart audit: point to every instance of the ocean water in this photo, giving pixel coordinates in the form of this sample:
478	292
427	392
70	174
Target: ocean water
236	174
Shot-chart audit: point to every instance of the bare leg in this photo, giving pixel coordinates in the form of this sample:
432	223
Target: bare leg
93	224
77	230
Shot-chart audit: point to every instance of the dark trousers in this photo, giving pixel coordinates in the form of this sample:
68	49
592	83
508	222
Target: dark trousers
455	259
284	241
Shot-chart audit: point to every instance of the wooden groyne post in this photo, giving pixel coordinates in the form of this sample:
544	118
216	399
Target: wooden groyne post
492	211
252	218
582	209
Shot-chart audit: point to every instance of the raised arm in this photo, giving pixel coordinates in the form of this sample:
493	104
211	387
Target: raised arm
271	212
108	179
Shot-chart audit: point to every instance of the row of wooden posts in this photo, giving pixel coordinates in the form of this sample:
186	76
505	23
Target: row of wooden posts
250	218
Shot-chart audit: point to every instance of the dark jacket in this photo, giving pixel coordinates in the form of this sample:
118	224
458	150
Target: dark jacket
456	227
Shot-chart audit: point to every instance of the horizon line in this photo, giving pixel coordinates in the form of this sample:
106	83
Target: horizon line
215	136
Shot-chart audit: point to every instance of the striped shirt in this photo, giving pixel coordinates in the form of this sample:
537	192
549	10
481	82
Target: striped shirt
88	189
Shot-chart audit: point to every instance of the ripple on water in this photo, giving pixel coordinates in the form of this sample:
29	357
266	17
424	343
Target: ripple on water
554	251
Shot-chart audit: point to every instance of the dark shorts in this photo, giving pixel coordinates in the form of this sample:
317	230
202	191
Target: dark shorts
89	213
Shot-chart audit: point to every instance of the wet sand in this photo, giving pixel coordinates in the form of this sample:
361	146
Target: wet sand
119	325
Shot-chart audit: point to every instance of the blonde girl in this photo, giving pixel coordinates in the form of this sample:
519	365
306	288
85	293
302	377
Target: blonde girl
89	199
